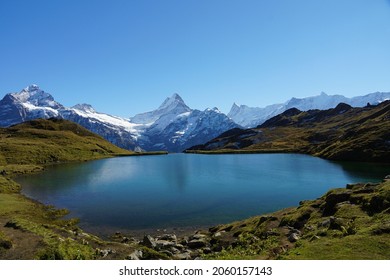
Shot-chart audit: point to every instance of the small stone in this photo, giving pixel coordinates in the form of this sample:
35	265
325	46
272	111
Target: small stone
293	237
198	236
207	250
182	256
135	256
125	239
294	230
179	246
314	237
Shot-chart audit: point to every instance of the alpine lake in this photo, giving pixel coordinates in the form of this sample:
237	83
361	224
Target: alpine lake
188	190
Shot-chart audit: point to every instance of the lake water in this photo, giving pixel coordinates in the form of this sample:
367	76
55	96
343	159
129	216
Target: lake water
179	190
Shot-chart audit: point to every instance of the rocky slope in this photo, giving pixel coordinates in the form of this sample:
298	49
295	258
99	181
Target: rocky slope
341	133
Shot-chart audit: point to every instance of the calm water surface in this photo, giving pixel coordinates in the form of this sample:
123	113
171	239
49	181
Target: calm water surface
179	190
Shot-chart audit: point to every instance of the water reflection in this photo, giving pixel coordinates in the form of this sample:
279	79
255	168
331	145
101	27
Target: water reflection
177	172
370	171
187	190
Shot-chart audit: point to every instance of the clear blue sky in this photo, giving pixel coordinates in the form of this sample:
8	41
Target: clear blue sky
126	57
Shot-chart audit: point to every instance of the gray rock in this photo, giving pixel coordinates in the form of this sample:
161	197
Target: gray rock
174	250
164	244
182	256
293	237
324	223
219	233
179	247
168	237
148	241
105	252
207	250
294	230
135	256
198	236
197	243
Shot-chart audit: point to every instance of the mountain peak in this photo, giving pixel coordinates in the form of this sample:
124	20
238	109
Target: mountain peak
32	87
84	107
173	101
234	110
176	96
35	96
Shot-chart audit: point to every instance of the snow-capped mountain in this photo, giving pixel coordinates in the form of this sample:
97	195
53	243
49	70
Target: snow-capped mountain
172	127
32	103
171	107
175	127
177	133
253	116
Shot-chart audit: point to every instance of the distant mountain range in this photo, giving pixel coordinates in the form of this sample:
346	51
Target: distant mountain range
340	133
253	116
172	127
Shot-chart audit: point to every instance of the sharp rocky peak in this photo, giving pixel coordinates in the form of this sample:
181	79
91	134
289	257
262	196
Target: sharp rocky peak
174	100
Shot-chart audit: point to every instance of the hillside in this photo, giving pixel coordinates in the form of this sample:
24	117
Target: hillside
52	141
345	223
341	133
31	230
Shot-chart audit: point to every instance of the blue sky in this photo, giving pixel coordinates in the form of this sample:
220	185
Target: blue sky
126	57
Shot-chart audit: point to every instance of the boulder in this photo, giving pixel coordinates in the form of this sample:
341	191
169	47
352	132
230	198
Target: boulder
198	236
164	244
149	241
197	243
168	237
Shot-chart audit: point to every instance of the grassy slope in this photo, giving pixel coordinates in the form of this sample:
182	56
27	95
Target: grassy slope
29	229
350	223
360	134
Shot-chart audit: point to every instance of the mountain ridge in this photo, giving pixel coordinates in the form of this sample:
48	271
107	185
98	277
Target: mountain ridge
341	133
253	116
173	119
